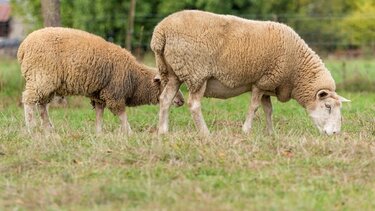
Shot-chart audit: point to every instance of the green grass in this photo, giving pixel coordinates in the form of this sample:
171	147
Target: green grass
353	75
294	169
343	69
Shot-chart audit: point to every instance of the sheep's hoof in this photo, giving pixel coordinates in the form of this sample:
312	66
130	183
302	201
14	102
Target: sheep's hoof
48	128
99	131
31	127
125	129
204	133
126	132
162	131
30	130
270	132
246	130
129	132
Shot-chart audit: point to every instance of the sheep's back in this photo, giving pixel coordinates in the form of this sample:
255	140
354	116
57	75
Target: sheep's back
233	50
76	61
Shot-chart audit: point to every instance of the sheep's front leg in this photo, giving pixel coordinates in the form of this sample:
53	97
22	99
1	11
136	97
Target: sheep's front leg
43	111
119	110
99	110
256	96
166	99
267	107
196	111
125	126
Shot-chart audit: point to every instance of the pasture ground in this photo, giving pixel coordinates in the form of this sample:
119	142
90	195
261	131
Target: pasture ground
296	168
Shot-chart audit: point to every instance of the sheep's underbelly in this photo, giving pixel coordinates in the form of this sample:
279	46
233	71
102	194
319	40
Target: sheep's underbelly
216	89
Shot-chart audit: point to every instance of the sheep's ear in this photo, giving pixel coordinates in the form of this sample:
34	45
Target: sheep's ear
344	100
157	79
322	94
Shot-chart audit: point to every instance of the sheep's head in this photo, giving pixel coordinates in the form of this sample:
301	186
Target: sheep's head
178	100
325	111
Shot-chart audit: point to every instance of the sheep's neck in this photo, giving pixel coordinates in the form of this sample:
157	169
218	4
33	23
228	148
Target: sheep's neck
305	77
143	87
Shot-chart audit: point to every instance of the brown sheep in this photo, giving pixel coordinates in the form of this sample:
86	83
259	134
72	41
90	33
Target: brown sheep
63	61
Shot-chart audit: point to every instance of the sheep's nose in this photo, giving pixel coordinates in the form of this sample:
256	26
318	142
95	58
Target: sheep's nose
328	133
331	133
179	103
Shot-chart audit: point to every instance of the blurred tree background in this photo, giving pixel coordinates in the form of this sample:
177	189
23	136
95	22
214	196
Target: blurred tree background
325	25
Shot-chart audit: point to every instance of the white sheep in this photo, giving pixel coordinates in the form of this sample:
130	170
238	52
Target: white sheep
63	61
223	56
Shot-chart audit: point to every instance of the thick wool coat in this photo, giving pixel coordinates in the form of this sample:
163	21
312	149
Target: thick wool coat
197	46
65	61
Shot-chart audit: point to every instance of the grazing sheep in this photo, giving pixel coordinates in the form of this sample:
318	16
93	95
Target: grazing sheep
63	61
223	56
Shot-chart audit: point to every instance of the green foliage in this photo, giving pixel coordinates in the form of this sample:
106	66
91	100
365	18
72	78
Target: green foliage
361	24
30	11
326	24
167	7
104	18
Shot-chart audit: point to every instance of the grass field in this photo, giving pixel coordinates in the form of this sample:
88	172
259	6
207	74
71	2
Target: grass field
294	169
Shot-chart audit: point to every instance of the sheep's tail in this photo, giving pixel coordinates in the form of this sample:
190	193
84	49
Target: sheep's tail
20	53
157	46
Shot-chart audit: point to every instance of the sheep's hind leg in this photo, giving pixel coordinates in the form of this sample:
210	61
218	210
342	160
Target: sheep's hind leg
29	116
256	96
196	111
166	99
39	89
267	107
99	110
29	99
43	111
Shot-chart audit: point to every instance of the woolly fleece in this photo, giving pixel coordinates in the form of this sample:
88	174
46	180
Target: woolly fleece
197	46
67	61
